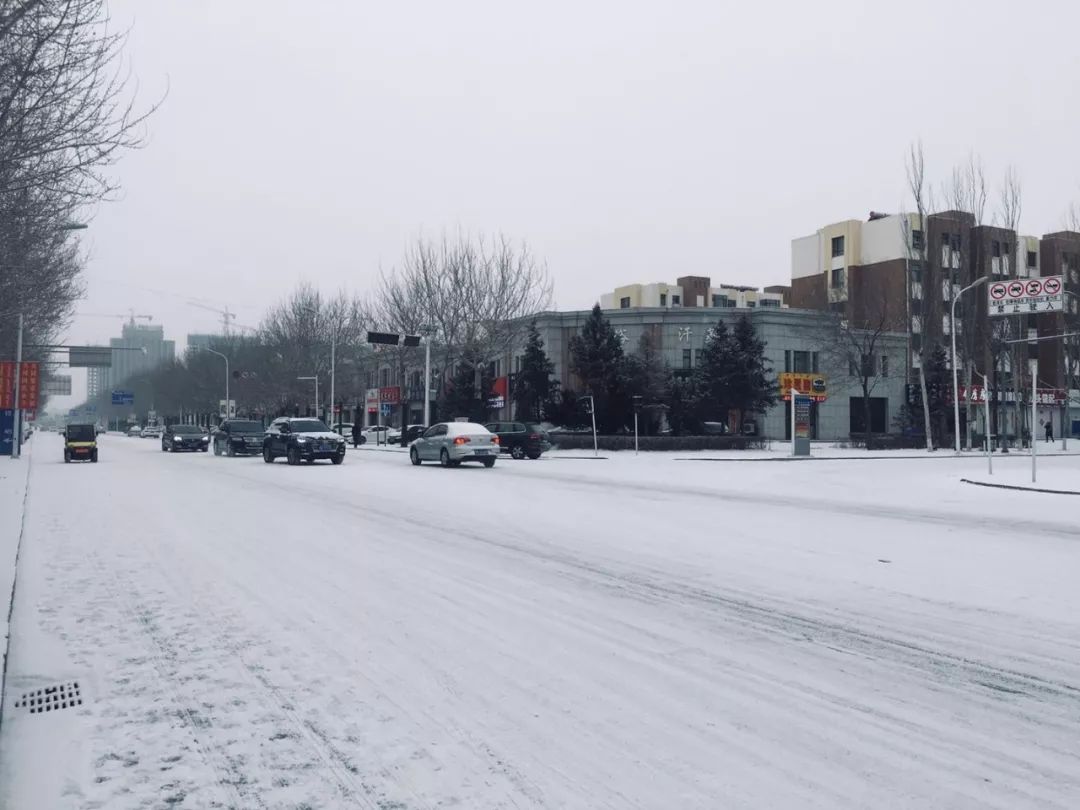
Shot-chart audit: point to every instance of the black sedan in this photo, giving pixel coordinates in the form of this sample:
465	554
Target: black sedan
184	437
239	436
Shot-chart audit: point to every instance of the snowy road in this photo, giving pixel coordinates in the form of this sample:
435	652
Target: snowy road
633	633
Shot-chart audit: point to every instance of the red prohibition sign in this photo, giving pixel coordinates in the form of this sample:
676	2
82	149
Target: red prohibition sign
1034	287
997	291
1051	286
1016	289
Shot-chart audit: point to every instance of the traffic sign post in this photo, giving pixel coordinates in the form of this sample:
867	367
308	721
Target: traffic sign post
1032	296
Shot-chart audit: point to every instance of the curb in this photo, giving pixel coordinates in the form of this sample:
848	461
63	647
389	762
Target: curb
1019	488
937	456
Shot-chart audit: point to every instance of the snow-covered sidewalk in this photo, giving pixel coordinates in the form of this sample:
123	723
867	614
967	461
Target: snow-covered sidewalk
13	479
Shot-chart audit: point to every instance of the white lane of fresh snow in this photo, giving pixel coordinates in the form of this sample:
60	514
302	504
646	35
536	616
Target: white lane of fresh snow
13	478
640	632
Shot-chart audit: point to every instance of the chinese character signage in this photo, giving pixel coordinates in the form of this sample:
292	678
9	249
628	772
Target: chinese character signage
1026	296
1043	396
811	385
390	395
29	379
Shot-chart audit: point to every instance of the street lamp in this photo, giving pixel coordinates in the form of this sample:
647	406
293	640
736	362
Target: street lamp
316	379
228	402
427	331
955	383
333	354
16	447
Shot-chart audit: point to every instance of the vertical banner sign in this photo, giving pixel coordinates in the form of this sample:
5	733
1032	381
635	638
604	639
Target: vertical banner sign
7	385
29	379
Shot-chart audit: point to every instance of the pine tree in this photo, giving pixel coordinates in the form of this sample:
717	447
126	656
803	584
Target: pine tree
752	387
596	357
469	390
684	405
714	376
535	384
649	377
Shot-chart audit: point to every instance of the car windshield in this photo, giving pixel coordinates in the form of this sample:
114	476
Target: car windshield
243	427
81	433
308	426
187	430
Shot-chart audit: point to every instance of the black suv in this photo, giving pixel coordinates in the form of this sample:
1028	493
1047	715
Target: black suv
184	437
302	439
237	436
520	439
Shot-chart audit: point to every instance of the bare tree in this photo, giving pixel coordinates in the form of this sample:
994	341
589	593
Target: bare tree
470	293
917	259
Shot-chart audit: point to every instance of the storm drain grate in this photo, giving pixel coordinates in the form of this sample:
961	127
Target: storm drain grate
51	698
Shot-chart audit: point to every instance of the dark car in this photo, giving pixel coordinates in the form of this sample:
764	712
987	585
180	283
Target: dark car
239	436
411	433
521	439
184	437
302	439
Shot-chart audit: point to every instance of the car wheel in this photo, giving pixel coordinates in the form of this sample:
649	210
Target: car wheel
414	457
534	454
93	457
268	457
67	457
230	451
217	448
489	463
338	458
444	458
292	456
517	452
163	448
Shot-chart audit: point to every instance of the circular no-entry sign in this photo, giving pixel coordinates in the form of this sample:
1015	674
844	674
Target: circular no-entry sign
1051	286
997	291
1034	287
1016	289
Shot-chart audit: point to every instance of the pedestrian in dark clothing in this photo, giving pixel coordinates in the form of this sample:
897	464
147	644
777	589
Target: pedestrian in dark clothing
1049	431
356	428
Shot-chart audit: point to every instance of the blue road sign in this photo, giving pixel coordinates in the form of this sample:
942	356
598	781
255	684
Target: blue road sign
123	398
386	406
7	431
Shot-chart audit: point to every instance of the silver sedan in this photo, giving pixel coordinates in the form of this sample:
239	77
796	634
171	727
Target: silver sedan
451	443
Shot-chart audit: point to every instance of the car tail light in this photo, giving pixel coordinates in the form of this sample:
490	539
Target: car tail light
535	437
494	439
462	440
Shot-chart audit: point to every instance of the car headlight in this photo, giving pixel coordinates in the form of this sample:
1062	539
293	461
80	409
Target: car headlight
302	439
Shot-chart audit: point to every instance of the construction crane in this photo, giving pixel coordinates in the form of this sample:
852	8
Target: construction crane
131	315
228	319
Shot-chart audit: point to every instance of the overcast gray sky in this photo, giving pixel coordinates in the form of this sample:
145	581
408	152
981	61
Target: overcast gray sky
624	141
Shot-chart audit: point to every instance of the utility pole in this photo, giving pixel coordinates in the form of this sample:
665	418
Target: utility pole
16	447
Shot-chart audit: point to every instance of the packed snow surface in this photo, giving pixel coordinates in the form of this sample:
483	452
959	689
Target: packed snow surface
636	632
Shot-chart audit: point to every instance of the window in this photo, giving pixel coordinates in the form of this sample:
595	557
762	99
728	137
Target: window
837	281
687	358
1073	277
624	303
698	357
787	361
663	299
676	300
719	300
837	246
884	365
750	304
918	242
1032	259
769	302
802	362
814	362
384	377
915	270
995	249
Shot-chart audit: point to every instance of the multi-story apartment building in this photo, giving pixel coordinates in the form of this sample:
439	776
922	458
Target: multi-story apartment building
152	350
888	271
1059	360
692	292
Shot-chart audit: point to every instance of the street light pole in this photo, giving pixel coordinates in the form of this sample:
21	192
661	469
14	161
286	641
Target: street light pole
228	402
955	382
427	379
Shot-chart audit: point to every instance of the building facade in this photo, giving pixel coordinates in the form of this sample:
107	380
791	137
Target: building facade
693	292
796	341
